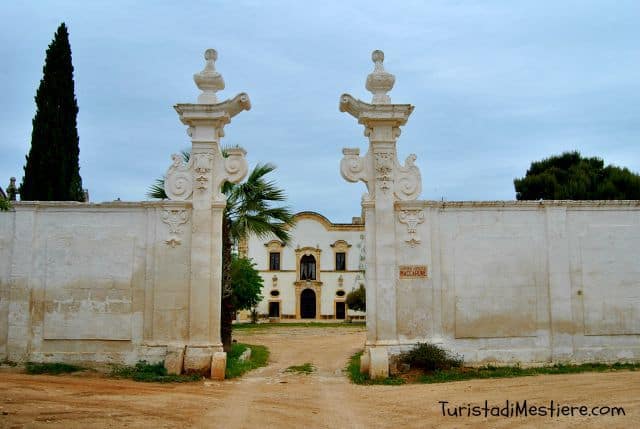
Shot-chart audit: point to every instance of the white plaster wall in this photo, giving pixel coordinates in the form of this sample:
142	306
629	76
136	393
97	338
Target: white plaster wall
524	281
91	282
6	240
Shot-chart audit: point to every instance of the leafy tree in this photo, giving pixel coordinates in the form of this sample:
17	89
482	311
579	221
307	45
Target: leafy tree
571	177
357	299
245	282
52	171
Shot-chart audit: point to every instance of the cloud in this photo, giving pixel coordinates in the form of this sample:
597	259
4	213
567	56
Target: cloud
496	85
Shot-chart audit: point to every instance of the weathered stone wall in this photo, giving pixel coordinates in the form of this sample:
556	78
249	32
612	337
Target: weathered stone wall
529	282
94	282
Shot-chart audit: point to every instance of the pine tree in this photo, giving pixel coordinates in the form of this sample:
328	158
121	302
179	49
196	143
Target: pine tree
52	170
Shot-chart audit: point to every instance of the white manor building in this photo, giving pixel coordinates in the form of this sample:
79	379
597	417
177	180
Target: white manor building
310	277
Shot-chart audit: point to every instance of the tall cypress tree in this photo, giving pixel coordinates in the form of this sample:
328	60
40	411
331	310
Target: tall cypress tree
52	171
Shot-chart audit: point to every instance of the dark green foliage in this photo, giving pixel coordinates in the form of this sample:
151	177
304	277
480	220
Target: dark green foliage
144	371
52	171
51	368
235	368
572	177
5	205
357	299
246	283
430	357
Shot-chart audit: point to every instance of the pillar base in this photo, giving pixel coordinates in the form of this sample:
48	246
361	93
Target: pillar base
174	359
218	365
378	362
197	359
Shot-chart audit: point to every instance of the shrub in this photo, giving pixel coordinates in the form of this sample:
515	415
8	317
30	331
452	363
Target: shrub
51	368
431	357
357	299
156	372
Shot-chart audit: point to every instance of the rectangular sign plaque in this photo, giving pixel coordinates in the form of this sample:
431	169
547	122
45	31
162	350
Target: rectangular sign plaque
413	271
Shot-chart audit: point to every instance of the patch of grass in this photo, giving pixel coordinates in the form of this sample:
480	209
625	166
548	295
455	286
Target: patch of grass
489	371
457	374
305	368
250	326
151	373
54	368
356	377
235	368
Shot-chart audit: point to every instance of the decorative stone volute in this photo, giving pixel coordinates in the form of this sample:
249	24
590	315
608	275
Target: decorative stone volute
209	81
379	82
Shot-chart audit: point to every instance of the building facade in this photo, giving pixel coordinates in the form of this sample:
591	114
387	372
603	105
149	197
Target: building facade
310	277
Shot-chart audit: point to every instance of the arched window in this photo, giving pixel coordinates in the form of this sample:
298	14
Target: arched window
307	267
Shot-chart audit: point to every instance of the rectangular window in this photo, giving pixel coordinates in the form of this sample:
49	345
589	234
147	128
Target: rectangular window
274	261
340	261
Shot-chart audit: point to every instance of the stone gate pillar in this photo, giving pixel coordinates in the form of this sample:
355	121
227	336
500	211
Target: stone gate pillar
200	181
387	182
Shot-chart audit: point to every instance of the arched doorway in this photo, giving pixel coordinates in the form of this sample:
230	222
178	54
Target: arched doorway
308	304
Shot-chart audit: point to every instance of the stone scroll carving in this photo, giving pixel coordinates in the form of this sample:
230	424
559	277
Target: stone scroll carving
353	167
202	170
174	218
178	182
412	218
408	183
232	169
388	173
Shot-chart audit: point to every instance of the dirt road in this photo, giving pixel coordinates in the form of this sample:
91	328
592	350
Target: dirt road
272	398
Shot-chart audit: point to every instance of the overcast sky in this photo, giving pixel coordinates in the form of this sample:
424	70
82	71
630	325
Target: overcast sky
495	85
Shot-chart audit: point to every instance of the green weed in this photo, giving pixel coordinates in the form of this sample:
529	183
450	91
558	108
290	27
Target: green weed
54	368
305	368
150	373
235	368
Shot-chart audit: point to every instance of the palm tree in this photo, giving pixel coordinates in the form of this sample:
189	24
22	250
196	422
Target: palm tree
249	211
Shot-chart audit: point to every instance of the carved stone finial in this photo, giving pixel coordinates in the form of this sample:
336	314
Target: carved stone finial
379	82
209	81
12	190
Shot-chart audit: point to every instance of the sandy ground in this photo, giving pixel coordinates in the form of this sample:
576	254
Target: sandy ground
271	398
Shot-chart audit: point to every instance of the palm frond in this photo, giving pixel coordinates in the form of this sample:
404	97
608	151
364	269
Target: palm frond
156	190
249	207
